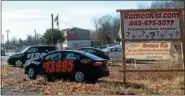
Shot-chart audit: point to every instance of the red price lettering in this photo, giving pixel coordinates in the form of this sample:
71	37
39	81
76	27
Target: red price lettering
46	66
64	66
70	66
52	66
58	66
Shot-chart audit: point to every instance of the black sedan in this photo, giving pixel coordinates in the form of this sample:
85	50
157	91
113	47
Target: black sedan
78	65
96	52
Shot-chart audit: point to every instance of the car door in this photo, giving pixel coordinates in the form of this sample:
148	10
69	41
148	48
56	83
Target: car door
52	63
32	53
115	53
41	51
73	58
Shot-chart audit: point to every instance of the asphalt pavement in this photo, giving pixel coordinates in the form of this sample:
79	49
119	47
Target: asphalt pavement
5	58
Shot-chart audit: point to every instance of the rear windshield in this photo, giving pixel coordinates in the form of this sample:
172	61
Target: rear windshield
92	56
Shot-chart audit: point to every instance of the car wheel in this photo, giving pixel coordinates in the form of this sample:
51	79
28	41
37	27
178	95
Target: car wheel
31	73
18	63
79	76
92	79
49	78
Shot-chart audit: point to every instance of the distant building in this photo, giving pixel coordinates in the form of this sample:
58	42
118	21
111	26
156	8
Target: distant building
76	38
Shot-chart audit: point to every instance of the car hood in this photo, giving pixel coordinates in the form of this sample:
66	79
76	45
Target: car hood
15	54
35	61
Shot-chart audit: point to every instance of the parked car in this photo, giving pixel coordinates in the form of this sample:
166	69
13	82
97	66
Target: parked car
78	65
114	52
96	52
18	59
2	52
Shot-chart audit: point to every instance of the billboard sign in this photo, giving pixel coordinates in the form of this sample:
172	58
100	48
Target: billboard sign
151	25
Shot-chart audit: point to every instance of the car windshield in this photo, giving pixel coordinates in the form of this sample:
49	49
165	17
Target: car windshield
19	49
108	48
24	49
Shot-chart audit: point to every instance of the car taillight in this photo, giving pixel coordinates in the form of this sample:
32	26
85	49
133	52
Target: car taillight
105	62
97	64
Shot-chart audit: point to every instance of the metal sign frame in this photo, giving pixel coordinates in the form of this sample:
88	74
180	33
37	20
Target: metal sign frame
123	40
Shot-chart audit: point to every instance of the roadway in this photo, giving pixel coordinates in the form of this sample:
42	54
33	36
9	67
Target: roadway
5	58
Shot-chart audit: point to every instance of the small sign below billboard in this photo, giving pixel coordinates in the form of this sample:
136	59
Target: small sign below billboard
150	51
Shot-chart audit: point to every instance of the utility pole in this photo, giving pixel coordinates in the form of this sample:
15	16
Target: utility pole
35	37
8	37
52	27
2	40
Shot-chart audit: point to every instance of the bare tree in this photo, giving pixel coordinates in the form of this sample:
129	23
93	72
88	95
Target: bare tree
143	6
107	28
162	4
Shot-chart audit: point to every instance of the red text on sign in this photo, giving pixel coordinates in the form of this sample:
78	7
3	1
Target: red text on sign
147	15
151	22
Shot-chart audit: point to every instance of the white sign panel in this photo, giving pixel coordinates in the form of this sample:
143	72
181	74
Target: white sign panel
151	25
150	51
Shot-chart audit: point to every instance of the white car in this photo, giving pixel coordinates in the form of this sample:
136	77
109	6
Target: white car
114	52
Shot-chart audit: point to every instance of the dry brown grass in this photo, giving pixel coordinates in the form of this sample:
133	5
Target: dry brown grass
138	83
9	70
146	83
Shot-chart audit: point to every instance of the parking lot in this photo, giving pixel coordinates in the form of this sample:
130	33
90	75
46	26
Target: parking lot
5	58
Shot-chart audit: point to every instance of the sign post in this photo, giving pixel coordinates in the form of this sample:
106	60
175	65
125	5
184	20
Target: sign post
150	25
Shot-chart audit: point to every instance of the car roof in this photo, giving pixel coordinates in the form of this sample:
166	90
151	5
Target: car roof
94	57
41	46
115	46
90	48
76	51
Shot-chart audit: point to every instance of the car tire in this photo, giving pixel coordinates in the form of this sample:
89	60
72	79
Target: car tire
92	79
79	76
32	73
18	63
49	78
3	54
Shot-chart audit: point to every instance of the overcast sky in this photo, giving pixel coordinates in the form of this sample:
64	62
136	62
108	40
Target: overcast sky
23	17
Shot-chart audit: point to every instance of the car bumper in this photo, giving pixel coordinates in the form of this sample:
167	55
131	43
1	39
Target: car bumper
11	61
103	72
